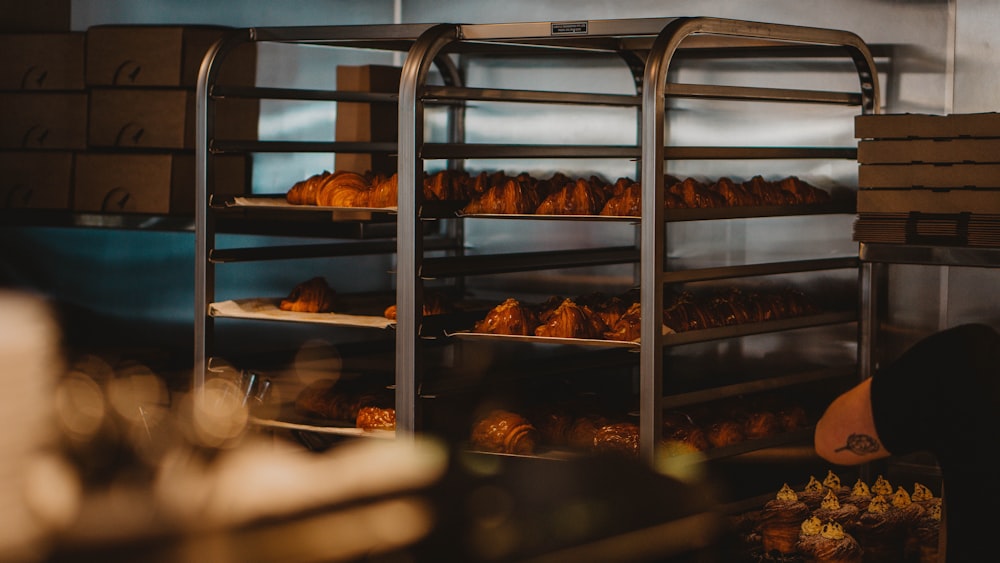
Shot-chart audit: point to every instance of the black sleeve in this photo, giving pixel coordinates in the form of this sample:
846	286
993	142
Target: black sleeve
924	399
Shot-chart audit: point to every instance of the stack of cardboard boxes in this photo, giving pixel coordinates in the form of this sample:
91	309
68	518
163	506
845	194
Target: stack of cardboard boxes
103	121
43	105
929	179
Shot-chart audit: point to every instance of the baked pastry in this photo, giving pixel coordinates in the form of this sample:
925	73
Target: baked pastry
617	438
317	399
767	193
553	426
792	417
696	195
376	418
511	197
831	509
924	497
909	511
882	486
781	520
311	296
625	203
724	432
446	185
746	526
579	198
584	428
570	320
760	424
735	195
435	303
834	545
802	192
809	536
628	327
509	317
881	531
384	192
922	543
342	189
832	482
340	401
503	431
860	496
304	192
812	493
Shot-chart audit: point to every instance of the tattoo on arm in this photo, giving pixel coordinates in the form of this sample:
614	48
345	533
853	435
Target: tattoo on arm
860	444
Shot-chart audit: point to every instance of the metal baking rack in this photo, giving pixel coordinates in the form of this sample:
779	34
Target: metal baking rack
648	48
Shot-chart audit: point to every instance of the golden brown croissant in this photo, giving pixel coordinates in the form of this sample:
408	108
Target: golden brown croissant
384	192
310	296
570	320
803	192
376	418
435	303
509	317
618	438
628	327
581	433
579	198
696	195
625	203
304	192
511	197
503	431
736	195
341	189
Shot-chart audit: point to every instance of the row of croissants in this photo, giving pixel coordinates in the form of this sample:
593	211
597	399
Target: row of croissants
508	431
617	317
560	194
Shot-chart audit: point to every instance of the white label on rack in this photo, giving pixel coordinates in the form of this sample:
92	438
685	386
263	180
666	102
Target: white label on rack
569	28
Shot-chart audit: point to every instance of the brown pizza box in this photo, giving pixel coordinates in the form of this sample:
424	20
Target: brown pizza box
161	183
44	120
161	118
161	55
367	122
929	151
36	179
42	61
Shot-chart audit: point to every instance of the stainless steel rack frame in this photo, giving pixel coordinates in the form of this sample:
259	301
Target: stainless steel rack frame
649	48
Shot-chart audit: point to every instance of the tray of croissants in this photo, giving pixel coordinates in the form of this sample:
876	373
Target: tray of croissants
558	195
600	319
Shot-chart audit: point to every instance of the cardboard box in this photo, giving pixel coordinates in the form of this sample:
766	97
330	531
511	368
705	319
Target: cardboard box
929	151
928	201
36	179
42	61
367	122
150	183
35	16
44	120
162	118
926	126
929	176
156	55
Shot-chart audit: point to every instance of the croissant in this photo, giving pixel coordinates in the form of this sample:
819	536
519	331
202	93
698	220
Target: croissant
384	192
618	438
570	320
725	432
435	303
626	203
509	317
503	431
736	195
376	418
803	192
341	189
579	198
767	192
760	424
628	327
581	433
311	296
694	194
512	197
304	192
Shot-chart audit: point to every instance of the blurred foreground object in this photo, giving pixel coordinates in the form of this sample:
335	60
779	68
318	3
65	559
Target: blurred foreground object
39	492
